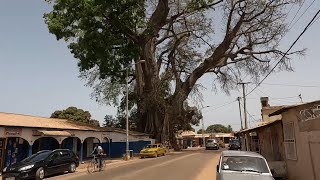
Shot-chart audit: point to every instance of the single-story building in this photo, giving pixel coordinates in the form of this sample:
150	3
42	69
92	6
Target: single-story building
24	135
289	140
192	139
301	138
267	140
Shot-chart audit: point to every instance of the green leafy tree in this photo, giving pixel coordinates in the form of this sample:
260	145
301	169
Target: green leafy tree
110	121
75	114
94	122
179	41
229	128
200	131
218	128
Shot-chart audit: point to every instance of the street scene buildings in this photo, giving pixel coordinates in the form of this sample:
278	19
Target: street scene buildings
159	90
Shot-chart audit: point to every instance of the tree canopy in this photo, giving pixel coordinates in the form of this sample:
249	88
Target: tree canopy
219	128
200	131
75	114
178	41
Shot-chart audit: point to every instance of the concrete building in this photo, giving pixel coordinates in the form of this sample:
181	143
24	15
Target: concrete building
289	139
192	139
24	135
301	138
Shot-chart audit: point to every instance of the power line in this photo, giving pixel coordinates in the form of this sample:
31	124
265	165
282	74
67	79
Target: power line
296	13
284	55
302	14
292	85
223	105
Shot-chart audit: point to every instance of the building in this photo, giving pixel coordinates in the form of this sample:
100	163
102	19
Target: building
24	135
289	139
267	140
192	139
301	138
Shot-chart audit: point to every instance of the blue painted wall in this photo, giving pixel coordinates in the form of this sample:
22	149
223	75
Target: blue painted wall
117	149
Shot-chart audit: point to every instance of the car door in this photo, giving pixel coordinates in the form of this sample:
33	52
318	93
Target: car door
65	159
163	150
218	170
53	163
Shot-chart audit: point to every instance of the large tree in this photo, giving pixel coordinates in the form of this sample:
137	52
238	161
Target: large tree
219	128
179	41
200	131
75	114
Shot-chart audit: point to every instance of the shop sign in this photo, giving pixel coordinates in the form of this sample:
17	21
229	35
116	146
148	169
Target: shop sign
12	131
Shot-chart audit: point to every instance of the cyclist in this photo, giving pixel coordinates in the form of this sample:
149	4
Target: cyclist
98	152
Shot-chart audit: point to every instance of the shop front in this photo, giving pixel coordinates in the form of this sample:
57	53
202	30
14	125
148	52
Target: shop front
13	147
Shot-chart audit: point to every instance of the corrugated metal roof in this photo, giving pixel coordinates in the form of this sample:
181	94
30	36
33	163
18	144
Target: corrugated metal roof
260	126
22	120
55	133
284	109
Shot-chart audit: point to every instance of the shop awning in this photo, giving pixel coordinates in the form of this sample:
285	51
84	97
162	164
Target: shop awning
54	133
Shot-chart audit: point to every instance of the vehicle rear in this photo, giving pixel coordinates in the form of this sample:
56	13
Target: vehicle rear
234	144
212	144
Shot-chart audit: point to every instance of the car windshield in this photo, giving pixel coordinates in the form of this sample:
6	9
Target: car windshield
212	141
234	142
38	156
244	164
151	146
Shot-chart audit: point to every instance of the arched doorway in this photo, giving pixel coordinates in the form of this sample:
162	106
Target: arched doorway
45	143
106	145
72	143
88	145
16	150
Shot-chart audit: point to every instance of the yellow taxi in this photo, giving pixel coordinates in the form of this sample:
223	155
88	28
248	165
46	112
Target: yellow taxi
153	150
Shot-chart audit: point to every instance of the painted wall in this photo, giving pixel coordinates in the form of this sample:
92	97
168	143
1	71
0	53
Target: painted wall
307	164
113	142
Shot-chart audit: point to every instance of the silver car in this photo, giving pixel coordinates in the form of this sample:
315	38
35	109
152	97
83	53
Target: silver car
243	165
212	144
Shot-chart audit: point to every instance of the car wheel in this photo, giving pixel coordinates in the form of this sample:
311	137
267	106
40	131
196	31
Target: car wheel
72	168
40	174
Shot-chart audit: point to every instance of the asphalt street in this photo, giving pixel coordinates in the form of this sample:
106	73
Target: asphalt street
189	165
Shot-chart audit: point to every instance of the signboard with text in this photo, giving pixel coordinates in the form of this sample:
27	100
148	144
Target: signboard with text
12	131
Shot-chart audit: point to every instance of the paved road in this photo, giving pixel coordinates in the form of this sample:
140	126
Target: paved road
192	165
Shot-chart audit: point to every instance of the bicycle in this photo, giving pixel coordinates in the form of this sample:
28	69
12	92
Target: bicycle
94	164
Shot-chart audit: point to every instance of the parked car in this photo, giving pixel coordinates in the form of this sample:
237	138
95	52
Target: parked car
243	165
42	164
153	150
212	144
234	144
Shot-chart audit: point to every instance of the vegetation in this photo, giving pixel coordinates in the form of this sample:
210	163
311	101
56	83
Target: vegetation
75	114
200	131
219	128
178	41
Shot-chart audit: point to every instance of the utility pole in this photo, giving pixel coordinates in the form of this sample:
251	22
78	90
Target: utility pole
202	132
244	104
245	114
240	113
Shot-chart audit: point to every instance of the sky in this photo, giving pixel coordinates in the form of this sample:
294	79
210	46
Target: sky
39	75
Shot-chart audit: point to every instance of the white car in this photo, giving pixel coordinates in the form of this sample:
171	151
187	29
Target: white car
243	165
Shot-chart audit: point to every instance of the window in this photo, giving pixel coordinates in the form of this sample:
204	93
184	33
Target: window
64	154
244	164
289	141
